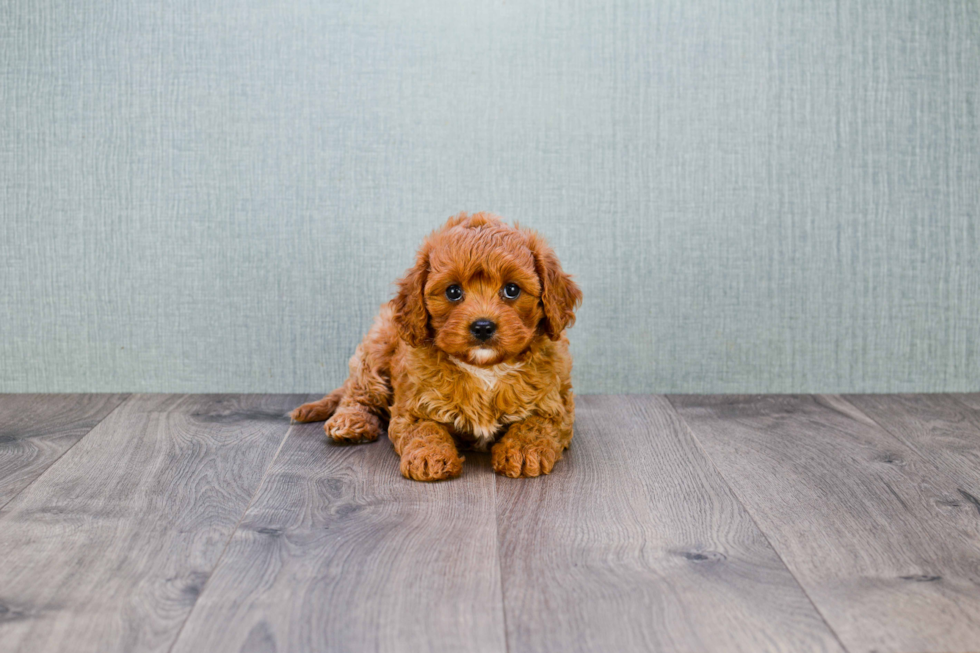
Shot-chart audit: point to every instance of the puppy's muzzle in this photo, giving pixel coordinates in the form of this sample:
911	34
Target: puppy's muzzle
483	330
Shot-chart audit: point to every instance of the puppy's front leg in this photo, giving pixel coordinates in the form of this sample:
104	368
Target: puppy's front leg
427	450
530	448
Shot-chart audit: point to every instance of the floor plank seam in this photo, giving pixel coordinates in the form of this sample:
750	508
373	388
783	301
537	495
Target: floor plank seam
755	521
500	567
852	489
910	445
954	396
231	536
62	455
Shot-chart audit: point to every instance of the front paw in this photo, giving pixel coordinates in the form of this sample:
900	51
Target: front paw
353	424
514	458
431	463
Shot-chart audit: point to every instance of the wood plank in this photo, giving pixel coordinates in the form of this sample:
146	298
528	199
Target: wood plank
635	543
35	430
876	533
969	399
338	552
937	427
109	549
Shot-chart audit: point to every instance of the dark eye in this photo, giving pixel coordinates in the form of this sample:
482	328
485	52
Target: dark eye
454	293
512	290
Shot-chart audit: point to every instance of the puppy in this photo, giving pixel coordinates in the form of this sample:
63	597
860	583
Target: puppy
471	351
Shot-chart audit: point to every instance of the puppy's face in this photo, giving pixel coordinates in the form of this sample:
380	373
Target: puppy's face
483	295
482	291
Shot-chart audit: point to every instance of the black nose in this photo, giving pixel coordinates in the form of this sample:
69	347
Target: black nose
483	329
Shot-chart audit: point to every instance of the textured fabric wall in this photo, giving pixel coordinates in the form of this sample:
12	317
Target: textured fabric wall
755	195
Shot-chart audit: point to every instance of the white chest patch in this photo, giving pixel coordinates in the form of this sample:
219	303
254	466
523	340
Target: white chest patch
488	376
485	431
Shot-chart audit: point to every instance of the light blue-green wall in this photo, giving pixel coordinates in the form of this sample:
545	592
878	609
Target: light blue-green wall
757	195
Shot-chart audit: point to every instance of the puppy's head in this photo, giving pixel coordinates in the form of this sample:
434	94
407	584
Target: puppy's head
482	291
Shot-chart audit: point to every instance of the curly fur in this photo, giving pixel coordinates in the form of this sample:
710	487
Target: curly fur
420	370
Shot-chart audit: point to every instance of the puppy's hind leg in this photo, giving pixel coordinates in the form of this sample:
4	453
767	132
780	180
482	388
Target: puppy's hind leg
355	412
318	411
367	392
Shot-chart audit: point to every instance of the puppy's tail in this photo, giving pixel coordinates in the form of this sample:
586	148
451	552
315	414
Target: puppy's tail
318	411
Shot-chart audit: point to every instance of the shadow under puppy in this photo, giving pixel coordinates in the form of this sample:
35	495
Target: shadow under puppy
471	350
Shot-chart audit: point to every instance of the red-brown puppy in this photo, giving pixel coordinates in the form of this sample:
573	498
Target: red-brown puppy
471	349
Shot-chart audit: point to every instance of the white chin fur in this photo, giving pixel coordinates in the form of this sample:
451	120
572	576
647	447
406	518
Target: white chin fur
481	355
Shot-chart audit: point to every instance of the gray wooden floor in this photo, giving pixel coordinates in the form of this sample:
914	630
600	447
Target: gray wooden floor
684	523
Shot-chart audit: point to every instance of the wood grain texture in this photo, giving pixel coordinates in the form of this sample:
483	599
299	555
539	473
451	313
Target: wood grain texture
877	534
35	430
969	399
109	549
338	552
937	427
634	543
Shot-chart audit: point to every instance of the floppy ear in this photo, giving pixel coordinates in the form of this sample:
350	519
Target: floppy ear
410	314
560	296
